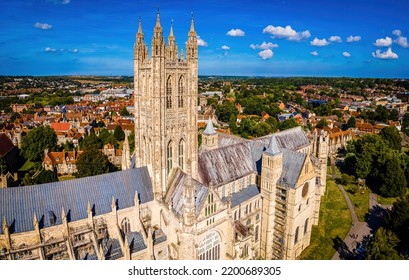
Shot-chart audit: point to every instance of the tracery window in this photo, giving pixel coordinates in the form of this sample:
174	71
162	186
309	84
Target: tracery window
209	248
181	90
169	156
169	93
125	225
181	153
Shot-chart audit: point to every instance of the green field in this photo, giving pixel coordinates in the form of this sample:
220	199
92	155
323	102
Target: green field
360	200
334	222
27	166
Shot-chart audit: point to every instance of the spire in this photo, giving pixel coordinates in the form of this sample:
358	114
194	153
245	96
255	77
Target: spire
140	26
171	29
209	128
158	19
273	146
192	25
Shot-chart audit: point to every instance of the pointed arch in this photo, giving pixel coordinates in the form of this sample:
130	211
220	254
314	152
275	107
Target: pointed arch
169	156
209	248
181	153
169	93
125	225
181	91
306	226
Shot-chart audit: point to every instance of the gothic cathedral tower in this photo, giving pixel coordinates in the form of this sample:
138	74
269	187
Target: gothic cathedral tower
165	105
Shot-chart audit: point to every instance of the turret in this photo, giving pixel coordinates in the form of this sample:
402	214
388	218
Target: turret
172	49
158	44
191	44
209	137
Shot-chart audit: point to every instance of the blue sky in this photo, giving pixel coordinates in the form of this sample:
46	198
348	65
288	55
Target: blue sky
256	38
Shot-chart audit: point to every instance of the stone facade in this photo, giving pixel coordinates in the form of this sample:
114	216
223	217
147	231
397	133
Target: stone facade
234	199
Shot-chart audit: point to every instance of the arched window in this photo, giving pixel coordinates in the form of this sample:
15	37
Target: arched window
125	225
256	233
245	250
181	90
209	248
169	93
181	153
306	226
296	235
169	156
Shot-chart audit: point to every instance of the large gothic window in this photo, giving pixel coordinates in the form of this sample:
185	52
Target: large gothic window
180	92
169	156
181	153
306	226
125	225
169	93
296	235
209	248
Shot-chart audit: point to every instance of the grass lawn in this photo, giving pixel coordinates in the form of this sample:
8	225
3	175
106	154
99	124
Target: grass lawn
335	221
388	200
360	200
66	177
27	166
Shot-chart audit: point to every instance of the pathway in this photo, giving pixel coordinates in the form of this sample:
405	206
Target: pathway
358	229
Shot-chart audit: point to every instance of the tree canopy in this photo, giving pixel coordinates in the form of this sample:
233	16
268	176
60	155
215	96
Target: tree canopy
382	246
119	134
92	162
391	135
36	141
91	141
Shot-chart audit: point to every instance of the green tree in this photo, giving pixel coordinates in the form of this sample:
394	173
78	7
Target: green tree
131	139
322	123
124	112
382	246
225	110
351	122
119	134
46	176
393	180
398	220
91	141
100	124
232	124
36	141
394	115
289	123
92	162
103	135
391	135
262	128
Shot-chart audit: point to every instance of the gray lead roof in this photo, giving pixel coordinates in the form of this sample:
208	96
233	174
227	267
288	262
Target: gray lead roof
19	204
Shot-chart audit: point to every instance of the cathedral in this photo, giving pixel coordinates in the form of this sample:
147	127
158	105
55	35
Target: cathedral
229	199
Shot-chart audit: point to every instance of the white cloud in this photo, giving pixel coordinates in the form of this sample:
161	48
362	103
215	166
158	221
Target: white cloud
201	42
226	48
335	39
314	53
264	46
48	49
236	33
266	54
73	51
44	26
402	41
346	54
383	42
57	2
388	54
319	42
351	39
397	32
287	33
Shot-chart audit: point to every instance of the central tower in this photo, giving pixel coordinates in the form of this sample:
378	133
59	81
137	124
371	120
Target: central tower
165	105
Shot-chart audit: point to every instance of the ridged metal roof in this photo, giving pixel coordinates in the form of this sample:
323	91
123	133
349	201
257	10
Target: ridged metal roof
135	241
292	166
175	196
19	204
244	195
